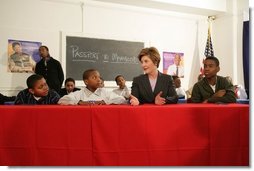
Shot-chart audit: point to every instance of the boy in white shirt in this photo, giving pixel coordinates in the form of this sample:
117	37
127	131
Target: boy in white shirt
92	94
122	90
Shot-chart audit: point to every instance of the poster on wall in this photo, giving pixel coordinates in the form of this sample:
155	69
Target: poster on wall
22	56
173	63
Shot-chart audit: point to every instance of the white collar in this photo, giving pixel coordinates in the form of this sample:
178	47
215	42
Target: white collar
36	98
97	92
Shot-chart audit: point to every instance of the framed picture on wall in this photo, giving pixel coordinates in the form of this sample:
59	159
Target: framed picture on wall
22	55
173	63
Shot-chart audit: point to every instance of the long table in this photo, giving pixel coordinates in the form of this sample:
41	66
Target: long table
123	135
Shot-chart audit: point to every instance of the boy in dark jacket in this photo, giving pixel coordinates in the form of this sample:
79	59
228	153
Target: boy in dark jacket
213	88
37	92
4	98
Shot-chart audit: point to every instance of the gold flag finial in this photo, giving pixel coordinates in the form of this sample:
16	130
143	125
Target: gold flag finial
211	18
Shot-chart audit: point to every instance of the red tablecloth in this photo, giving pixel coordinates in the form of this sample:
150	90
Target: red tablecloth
147	135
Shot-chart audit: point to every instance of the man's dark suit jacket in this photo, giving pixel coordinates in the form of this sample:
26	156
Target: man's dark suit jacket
142	89
52	72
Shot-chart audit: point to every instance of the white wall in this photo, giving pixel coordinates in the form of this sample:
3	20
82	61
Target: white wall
167	31
33	20
227	39
45	20
219	5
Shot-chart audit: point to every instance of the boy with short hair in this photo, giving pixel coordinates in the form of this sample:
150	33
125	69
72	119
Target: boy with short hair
122	90
69	84
92	94
213	88
37	92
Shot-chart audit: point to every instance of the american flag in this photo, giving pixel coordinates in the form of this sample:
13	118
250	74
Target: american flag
208	49
209	46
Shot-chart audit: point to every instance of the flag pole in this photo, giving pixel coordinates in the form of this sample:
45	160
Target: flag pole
209	46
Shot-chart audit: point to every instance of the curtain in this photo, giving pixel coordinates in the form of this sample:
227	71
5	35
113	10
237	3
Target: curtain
246	55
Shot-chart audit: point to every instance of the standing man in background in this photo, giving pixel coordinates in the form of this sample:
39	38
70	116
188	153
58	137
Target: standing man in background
50	69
